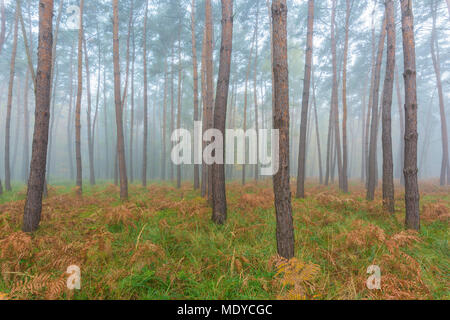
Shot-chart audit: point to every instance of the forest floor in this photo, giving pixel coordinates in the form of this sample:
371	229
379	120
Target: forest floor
162	245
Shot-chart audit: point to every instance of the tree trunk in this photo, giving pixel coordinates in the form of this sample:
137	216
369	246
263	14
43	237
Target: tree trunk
282	189
401	154
78	104
144	152
132	107
164	133
195	92
204	181
255	92
88	116
334	98
26	136
118	103
179	103
305	103
69	117
388	164
319	151
3	27
245	103
33	204
374	123
412	196
209	84
219	214
437	69
344	102
9	103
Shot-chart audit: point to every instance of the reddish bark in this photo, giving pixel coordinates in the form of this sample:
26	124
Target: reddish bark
282	189
33	204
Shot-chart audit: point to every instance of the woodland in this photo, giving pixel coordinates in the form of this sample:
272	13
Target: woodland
94	95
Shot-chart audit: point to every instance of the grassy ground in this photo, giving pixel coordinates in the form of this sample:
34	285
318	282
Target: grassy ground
162	245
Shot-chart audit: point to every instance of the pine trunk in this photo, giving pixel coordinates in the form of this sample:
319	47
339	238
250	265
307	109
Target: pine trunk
371	183
412	196
9	103
305	103
33	204
281	186
78	104
388	163
219	214
118	103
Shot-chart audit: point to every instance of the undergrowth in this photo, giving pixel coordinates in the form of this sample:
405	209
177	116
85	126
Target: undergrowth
161	244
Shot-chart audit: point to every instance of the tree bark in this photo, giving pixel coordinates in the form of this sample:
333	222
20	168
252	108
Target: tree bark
26	136
344	101
9	103
334	98
305	103
3	25
204	181
195	92
246	102
401	154
219	214
374	123
118	103
78	105
445	174
255	92
282	190
88	115
319	151
388	163
144	152
179	103
33	204
209	84
412	196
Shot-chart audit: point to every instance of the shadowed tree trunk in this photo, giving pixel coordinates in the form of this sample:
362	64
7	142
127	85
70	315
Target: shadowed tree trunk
118	103
412	196
282	189
9	103
144	152
371	185
219	214
388	164
305	103
437	69
195	92
33	204
78	104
